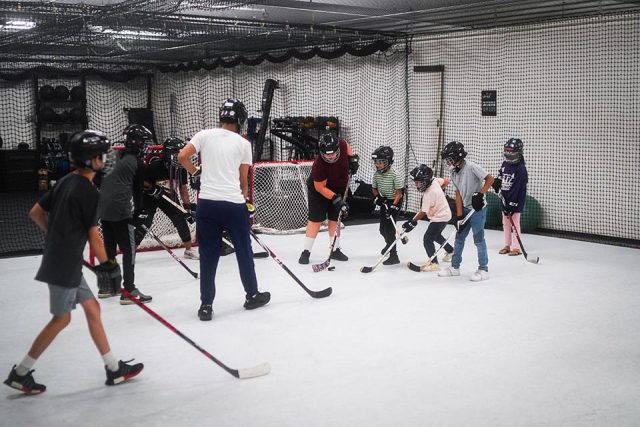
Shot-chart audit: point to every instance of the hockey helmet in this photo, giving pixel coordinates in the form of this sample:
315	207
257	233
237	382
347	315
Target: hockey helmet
512	151
233	111
85	145
383	154
329	147
422	176
137	137
453	153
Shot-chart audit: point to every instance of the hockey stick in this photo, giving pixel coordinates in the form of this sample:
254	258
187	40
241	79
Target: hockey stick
256	371
418	268
166	248
224	239
367	269
531	258
319	267
315	294
405	239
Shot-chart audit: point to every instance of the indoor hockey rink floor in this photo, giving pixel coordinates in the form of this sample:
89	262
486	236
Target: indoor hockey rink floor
552	344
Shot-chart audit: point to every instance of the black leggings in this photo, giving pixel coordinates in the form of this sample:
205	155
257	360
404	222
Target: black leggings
151	205
121	234
387	230
434	234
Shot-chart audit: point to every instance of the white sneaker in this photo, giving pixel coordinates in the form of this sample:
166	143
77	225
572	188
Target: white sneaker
448	272
430	267
479	275
191	253
448	257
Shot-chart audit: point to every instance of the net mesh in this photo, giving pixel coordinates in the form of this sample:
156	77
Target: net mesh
569	89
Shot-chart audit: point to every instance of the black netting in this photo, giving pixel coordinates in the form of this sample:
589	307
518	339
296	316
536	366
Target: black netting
569	90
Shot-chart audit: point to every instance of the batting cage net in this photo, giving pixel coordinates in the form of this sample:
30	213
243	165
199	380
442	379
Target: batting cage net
570	90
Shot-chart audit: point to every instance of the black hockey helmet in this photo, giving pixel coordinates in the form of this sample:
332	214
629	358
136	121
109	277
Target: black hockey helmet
329	147
85	145
422	176
453	152
233	111
384	153
512	150
171	148
136	138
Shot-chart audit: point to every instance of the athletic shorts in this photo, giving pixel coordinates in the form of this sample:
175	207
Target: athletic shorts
63	300
320	207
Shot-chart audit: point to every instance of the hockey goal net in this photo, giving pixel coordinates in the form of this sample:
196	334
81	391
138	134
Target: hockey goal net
279	194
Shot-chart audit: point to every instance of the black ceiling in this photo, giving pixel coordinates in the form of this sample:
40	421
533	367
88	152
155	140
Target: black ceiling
145	33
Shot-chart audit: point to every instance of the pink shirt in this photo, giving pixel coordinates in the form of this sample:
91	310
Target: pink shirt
434	203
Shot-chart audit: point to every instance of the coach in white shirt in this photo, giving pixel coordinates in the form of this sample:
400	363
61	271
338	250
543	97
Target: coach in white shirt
225	158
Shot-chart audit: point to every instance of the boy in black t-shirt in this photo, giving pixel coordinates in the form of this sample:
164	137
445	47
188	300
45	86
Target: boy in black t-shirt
67	214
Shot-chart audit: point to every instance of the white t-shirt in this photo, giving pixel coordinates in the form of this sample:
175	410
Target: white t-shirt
221	154
434	202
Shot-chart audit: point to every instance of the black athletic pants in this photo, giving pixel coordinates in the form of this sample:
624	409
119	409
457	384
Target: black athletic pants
121	234
387	230
151	205
434	234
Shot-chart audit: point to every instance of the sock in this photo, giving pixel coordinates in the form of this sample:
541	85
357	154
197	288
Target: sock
110	361
25	365
308	243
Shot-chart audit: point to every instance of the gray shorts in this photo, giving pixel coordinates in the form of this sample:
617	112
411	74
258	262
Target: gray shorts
63	300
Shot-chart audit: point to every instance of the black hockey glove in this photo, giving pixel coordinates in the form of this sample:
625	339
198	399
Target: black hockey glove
460	223
191	208
477	201
409	226
339	203
354	164
108	277
497	184
509	208
154	191
379	201
393	211
194	179
140	216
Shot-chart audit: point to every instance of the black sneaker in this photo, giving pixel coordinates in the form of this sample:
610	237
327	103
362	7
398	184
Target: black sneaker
136	293
304	257
205	312
392	260
339	256
24	383
257	300
124	373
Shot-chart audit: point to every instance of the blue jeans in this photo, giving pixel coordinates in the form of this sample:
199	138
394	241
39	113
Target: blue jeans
475	223
213	216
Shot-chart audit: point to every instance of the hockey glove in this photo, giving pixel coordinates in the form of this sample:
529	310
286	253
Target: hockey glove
251	208
108	277
409	226
194	178
509	208
154	191
379	201
354	164
340	204
460	223
191	208
477	201
393	211
497	184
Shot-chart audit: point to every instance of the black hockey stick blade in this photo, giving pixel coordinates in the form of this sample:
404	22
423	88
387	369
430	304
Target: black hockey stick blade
314	294
244	373
414	267
366	269
260	255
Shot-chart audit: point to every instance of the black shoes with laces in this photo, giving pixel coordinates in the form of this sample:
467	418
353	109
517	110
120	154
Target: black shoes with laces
137	294
257	300
339	256
124	373
24	383
304	257
205	312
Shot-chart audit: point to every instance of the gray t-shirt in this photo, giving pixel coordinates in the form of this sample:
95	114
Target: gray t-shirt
468	180
119	187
